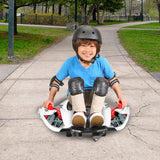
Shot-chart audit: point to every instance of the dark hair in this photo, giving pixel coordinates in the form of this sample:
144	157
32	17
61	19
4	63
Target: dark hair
79	42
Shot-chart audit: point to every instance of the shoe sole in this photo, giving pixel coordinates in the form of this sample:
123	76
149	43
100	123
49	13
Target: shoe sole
96	121
78	121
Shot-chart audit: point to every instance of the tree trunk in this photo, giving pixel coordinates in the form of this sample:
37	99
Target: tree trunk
98	19
15	21
83	21
90	14
53	9
34	8
1	14
46	9
42	8
60	9
130	7
94	14
103	14
159	11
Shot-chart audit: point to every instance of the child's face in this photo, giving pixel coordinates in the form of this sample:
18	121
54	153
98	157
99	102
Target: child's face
87	51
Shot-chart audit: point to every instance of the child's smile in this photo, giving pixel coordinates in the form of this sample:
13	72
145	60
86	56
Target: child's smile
87	51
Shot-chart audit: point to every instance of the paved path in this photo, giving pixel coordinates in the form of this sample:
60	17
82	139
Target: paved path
6	70
36	25
24	136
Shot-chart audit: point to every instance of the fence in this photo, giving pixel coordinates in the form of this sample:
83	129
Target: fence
50	19
122	18
47	19
130	18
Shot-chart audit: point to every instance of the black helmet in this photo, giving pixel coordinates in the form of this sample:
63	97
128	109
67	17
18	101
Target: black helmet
87	32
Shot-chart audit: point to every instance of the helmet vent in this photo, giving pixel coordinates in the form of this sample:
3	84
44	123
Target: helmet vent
92	32
83	32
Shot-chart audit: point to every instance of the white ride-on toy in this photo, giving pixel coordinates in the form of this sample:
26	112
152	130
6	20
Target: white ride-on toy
59	119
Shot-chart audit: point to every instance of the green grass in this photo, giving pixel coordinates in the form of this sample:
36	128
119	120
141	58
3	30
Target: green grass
107	23
29	41
143	46
146	26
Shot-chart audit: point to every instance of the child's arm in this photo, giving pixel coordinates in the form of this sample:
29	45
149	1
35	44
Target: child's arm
52	94
117	90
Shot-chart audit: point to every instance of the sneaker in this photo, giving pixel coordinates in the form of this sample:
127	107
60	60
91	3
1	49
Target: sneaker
79	120
96	120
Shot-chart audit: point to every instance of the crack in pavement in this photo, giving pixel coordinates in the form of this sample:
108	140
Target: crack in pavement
142	107
14	119
142	140
152	130
138	138
3	123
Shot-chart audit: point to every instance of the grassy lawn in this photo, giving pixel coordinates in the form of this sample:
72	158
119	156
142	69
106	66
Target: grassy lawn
29	41
146	26
106	23
143	46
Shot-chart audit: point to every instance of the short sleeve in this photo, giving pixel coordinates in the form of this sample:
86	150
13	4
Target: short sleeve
107	70
64	71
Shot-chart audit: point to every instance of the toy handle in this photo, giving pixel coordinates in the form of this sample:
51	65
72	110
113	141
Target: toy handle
50	107
119	106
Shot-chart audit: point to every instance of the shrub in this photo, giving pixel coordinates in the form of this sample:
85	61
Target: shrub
44	19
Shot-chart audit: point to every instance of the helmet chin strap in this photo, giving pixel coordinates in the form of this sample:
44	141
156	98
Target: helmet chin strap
93	60
84	61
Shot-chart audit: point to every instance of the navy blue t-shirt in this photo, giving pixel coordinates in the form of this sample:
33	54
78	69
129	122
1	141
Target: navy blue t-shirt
73	68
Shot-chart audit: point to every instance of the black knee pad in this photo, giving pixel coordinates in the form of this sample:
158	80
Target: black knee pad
76	85
100	87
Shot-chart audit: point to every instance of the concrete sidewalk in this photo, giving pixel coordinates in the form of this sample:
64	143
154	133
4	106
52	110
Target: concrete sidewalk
24	136
36	25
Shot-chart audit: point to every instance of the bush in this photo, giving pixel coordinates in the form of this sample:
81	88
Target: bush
44	19
3	20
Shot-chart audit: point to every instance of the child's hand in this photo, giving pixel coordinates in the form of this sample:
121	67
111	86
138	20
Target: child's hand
123	101
46	103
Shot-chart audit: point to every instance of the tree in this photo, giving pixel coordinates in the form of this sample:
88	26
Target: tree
99	6
18	4
1	10
107	5
61	3
150	8
87	7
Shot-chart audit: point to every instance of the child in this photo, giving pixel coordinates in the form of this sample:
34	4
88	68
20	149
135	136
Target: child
90	76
